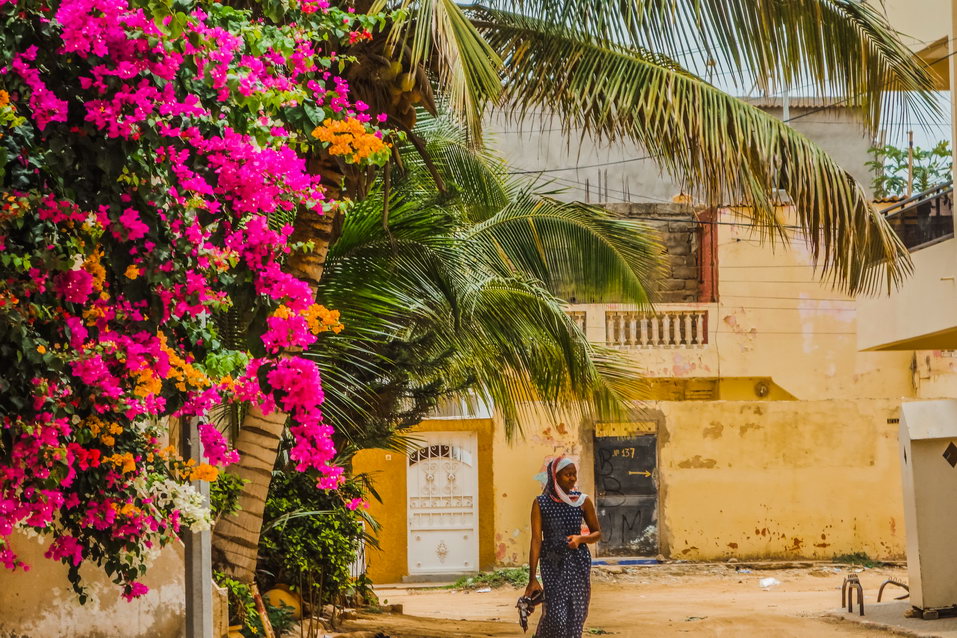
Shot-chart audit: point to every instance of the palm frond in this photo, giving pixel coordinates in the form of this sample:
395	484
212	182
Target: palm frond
440	36
840	49
724	151
574	249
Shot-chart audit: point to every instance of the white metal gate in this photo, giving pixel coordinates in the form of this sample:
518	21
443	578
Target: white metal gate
443	504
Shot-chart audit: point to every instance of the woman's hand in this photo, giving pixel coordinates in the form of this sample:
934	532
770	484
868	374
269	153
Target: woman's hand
574	541
533	586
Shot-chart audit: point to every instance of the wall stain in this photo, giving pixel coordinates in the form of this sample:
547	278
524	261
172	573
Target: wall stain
697	462
749	426
714	431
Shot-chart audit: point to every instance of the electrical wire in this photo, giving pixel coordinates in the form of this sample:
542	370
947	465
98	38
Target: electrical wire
773	266
700	222
575	168
767	281
831	299
791	309
810	333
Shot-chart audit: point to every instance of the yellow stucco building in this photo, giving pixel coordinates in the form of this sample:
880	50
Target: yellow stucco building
767	433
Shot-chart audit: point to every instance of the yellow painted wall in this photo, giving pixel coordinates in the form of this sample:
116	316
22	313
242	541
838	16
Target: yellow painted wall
810	479
388	471
777	319
390	563
935	374
750	479
516	464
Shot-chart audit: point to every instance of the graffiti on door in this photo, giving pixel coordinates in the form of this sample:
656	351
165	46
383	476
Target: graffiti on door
627	489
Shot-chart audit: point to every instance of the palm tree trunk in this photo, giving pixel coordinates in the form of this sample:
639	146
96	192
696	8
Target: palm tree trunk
236	537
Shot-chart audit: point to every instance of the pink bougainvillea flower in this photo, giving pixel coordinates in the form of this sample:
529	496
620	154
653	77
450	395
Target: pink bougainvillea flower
74	286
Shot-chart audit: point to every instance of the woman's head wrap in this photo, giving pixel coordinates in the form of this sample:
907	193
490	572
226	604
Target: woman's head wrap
552	489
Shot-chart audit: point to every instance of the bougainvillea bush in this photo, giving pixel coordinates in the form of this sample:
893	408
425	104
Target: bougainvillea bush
151	165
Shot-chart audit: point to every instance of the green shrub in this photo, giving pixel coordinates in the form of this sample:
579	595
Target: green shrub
857	558
224	494
514	576
311	538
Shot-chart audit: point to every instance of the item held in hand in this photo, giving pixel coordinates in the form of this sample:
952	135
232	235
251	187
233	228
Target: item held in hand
526	606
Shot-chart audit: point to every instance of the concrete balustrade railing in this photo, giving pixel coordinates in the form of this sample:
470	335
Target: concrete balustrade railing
661	329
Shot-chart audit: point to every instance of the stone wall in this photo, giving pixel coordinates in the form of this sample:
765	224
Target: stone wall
679	232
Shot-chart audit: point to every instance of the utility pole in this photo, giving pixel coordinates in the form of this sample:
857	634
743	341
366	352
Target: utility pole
910	163
952	70
198	551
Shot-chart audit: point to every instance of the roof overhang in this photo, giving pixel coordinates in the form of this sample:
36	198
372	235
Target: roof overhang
936	57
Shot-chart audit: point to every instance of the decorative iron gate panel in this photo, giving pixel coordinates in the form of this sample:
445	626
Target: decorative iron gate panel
443	504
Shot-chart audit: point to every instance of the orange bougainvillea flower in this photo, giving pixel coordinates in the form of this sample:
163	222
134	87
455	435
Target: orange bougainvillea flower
181	371
132	272
349	138
124	461
93	266
147	383
204	472
95	425
321	319
42	349
92	314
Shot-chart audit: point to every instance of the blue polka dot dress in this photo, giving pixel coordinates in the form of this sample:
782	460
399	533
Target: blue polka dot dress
566	573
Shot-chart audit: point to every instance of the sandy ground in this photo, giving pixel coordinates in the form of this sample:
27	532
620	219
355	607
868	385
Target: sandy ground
661	601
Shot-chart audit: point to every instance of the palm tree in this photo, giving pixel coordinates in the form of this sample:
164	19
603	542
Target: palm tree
623	68
458	292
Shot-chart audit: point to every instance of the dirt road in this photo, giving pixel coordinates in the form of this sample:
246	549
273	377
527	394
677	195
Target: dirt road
664	601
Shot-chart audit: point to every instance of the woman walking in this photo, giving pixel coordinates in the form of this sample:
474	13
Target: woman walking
561	548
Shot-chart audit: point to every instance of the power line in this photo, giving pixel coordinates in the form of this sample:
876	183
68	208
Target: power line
768	332
788	298
575	168
773	266
794	309
786	227
767	281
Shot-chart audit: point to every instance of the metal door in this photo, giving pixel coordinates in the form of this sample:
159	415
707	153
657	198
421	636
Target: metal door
627	494
443	504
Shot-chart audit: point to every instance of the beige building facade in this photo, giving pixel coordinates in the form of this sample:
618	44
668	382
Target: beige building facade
766	433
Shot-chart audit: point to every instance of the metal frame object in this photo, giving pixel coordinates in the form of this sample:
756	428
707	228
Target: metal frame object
851	584
891	581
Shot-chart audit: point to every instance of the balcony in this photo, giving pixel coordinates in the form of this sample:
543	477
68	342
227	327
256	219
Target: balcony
922	313
667	328
924	219
673	341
